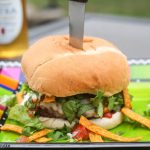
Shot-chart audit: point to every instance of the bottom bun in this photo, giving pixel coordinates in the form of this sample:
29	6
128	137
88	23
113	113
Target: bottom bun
106	123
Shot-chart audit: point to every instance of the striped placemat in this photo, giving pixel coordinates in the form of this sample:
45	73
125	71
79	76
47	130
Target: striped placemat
131	62
140	69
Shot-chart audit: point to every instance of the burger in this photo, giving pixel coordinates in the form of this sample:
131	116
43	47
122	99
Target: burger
66	83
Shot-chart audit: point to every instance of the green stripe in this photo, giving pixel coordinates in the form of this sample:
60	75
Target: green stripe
4	92
140	72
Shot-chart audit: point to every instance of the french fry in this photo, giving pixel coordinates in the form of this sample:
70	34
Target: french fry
43	140
39	134
127	100
103	132
49	99
11	127
19	96
95	137
134	116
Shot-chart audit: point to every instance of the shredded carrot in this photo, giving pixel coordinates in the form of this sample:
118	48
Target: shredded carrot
127	100
49	99
9	82
43	140
11	127
103	132
134	116
19	96
39	134
95	137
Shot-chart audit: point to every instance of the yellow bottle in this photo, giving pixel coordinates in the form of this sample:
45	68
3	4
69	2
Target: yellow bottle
13	29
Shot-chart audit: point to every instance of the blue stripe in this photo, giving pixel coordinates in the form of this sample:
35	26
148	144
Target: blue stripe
7	88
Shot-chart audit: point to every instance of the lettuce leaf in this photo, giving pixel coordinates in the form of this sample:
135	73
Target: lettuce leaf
26	88
27	131
8	100
19	113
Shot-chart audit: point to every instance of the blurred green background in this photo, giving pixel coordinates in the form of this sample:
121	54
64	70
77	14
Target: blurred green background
138	8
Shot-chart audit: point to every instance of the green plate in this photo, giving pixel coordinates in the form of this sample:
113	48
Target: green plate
141	102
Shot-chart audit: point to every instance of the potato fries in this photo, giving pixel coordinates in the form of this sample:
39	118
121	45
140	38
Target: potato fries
127	100
134	116
39	134
103	132
95	137
11	127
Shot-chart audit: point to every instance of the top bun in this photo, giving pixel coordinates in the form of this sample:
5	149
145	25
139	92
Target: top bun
53	67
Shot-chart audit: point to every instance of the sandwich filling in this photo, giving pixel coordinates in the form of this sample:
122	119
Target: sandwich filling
72	107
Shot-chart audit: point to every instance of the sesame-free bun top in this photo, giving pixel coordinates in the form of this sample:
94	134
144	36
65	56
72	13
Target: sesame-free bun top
53	67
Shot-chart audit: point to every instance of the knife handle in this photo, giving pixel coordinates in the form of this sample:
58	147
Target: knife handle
81	1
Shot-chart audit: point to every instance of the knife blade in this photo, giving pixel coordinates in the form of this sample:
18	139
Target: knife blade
76	22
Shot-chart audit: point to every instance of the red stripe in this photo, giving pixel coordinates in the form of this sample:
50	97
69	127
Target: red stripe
2	107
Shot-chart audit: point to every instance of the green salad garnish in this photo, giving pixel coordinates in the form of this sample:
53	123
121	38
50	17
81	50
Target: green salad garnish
75	108
8	100
97	102
115	102
19	113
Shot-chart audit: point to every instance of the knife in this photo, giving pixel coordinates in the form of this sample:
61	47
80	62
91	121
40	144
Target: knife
76	22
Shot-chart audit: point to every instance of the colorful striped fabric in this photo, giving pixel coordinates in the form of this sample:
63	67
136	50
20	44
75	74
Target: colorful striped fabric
2	109
3	114
7	88
4	91
8	82
12	72
11	77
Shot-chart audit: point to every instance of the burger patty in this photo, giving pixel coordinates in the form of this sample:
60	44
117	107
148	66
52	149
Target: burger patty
54	110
